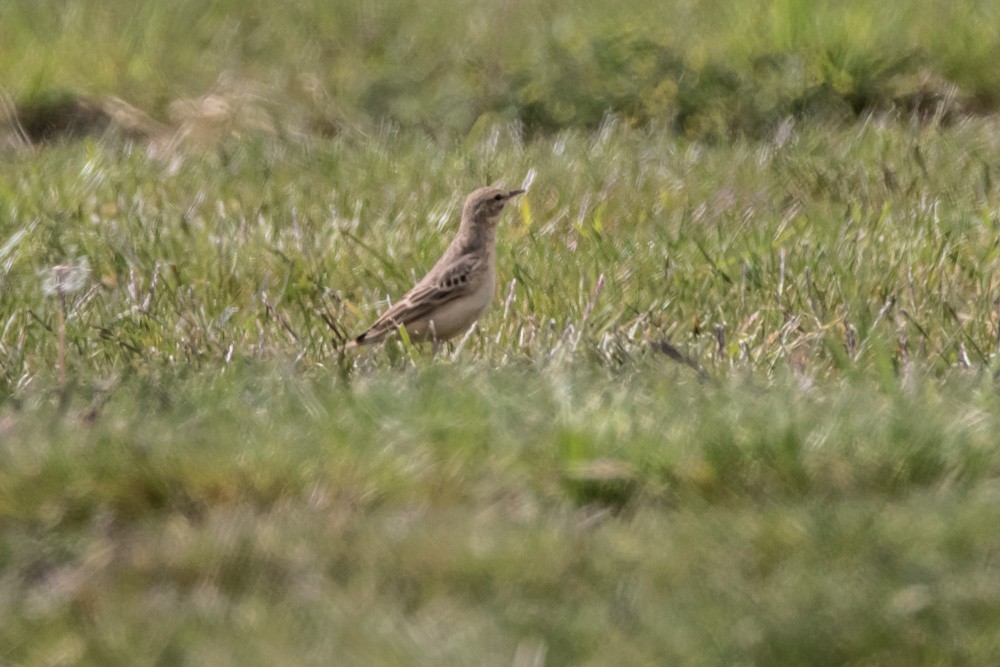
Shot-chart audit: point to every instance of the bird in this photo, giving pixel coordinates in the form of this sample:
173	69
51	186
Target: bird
459	287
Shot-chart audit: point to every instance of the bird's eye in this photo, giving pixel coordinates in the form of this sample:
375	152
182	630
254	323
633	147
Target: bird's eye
498	197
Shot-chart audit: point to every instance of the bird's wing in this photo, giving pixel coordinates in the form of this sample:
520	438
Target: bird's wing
429	294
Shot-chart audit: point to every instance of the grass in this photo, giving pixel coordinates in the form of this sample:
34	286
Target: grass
710	70
192	471
216	482
423	516
838	249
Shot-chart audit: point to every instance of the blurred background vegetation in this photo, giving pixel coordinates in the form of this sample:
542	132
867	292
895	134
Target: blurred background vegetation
707	69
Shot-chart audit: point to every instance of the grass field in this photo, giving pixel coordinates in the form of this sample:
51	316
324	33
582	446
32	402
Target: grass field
193	472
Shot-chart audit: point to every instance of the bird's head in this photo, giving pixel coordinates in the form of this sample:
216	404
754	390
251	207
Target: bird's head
484	205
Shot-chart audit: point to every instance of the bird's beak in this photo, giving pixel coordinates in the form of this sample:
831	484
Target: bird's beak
514	193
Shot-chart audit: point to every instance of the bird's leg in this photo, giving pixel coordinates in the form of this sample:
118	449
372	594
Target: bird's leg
435	343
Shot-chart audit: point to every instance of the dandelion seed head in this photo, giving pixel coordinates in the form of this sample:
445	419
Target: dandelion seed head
66	278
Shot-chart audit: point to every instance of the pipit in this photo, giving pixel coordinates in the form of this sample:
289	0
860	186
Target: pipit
459	288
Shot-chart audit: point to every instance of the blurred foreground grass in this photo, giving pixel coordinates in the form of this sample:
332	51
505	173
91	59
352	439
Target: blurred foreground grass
425	516
216	483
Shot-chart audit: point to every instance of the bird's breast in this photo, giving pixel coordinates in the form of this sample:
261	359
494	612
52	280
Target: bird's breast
456	316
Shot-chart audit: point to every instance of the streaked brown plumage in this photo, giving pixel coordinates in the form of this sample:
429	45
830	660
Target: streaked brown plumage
459	287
